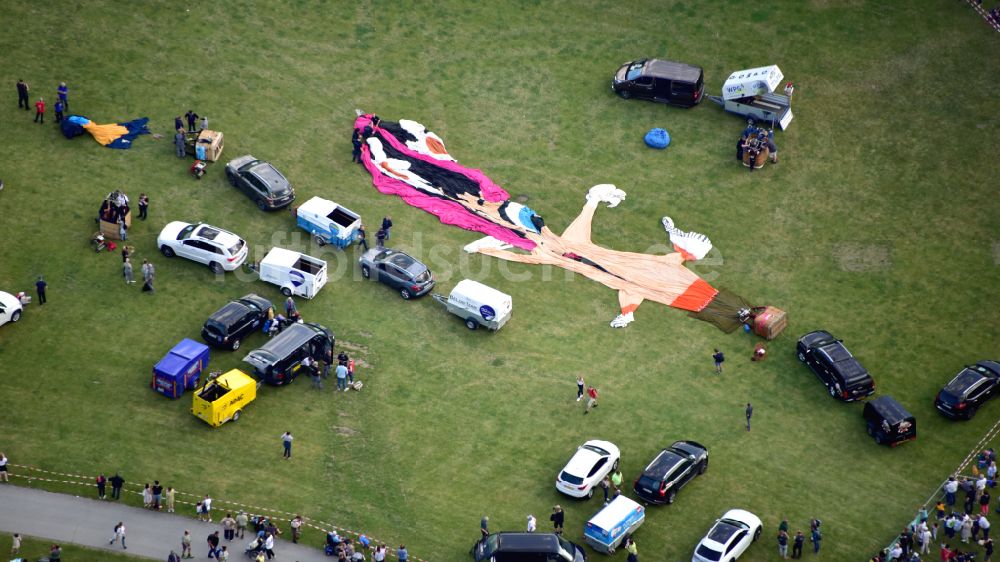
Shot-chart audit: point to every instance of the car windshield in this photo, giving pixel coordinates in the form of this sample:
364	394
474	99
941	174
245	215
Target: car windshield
215	328
568	547
490	547
569	478
948	398
381	255
235	248
708	553
185	233
634	70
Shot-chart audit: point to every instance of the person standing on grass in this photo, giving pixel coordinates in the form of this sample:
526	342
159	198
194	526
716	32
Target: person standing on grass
55	553
127	272
558	517
380	237
3	467
749	412
186	545
241	523
122	229
170	499
213	545
387	226
984	526
342	377
816	538
207	508
632	549
718	358
40	286
178	123
147	276
204	122
22	95
987	550
15	545
147	497
59	107
119	535
797	544
102	483
296	525
228	527
579	387
616	479
356	141
984	502
361	236
143	206
591	399
290	308
116	486
63	93
192	120
401	554
157	494
484	526
605	487
40	111
286	441
179	143
950	488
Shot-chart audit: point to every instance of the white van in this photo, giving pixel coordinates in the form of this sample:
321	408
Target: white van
478	305
296	274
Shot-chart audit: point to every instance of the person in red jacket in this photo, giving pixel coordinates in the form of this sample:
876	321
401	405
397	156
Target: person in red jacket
592	399
40	111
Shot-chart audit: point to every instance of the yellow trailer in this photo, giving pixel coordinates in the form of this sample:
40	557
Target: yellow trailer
223	398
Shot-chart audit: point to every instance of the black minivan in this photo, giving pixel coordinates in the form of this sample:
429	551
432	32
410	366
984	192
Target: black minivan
278	361
889	422
660	80
231	324
527	547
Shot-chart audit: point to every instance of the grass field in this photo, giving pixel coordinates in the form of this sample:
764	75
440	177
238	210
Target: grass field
879	225
33	549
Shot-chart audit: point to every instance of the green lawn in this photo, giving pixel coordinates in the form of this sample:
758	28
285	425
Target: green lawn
32	549
879	225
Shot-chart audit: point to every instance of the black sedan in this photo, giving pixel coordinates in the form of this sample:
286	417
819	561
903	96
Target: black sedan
670	471
970	388
231	324
397	270
833	364
261	182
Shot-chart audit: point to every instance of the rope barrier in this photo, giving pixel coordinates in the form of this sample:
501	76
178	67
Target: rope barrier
977	5
252	510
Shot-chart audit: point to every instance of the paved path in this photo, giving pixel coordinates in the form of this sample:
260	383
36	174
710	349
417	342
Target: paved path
64	518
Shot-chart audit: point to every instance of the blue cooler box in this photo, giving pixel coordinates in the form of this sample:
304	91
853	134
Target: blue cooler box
605	531
180	368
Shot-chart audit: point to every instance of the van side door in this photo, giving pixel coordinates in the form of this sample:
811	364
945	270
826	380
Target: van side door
642	87
661	89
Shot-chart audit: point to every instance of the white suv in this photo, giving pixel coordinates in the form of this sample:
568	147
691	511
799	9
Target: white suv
220	250
592	461
10	308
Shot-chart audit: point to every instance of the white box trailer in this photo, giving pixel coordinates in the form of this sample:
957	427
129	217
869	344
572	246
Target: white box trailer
296	273
478	305
750	93
328	222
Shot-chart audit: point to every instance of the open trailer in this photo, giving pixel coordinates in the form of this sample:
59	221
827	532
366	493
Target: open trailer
750	93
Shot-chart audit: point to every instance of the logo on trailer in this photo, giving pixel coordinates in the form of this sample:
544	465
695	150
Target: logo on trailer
296	278
487	312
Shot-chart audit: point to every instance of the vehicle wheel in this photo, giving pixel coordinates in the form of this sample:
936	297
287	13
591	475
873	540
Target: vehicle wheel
286	291
878	439
366	272
405	293
970	412
671	495
231	177
615	466
16	316
832	391
802	357
167	251
471	324
871	430
625	94
261	205
236	415
319	240
703	466
216	267
235	345
756	534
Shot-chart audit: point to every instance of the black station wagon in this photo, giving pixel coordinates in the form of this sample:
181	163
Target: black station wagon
659	80
230	325
969	390
670	471
833	364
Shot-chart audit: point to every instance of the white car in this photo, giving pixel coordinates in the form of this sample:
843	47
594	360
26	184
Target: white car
220	250
10	308
729	537
592	461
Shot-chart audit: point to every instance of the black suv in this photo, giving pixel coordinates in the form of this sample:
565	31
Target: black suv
660	80
279	361
397	270
261	182
970	388
228	326
674	467
843	376
527	547
889	422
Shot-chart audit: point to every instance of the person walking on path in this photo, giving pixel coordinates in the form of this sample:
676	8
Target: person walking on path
591	399
192	120
143	206
223	555
228	527
342	377
63	92
532	523
127	272
3	467
40	286
579	387
102	483
116	486
816	538
286	441
59	108
558	517
15	545
484	526
269	545
170	499
119	535
362	241
22	95
797	544
749	413
241	523
40	111
179	143
387	226
718	358
783	544
296	525
213	545
186	545
380	237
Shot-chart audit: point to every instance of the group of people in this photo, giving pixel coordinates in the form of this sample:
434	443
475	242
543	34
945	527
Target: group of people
180	138
62	101
797	542
753	141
